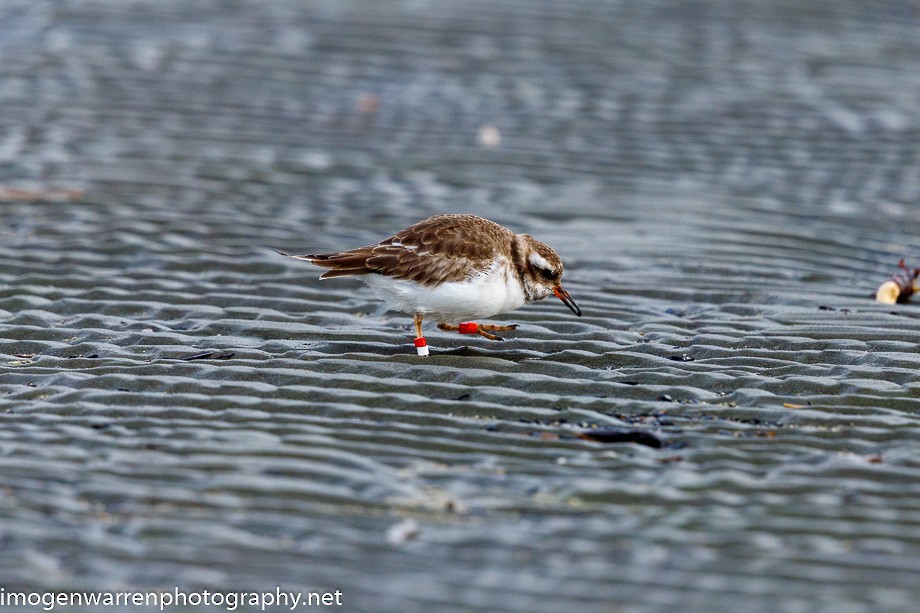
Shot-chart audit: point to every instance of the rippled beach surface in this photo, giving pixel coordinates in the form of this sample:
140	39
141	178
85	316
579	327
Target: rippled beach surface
727	183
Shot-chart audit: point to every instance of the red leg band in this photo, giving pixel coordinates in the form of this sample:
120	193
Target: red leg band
420	342
468	327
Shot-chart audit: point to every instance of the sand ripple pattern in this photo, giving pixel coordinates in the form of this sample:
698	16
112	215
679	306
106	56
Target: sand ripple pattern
727	184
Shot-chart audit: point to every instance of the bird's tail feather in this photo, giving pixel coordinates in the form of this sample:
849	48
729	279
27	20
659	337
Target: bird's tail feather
343	264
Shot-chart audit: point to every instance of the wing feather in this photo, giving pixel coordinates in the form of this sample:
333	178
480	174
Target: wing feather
436	250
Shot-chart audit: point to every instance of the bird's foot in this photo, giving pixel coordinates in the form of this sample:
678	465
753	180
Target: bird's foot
471	327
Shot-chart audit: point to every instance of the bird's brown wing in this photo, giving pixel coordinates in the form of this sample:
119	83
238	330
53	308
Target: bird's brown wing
436	250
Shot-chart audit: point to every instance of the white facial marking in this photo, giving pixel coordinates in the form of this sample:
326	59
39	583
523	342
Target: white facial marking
538	261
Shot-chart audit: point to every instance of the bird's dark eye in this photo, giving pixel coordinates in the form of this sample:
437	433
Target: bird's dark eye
547	274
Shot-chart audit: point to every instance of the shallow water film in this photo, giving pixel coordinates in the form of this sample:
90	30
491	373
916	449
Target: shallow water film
181	408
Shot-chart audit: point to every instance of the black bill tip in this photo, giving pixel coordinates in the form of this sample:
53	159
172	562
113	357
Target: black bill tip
566	299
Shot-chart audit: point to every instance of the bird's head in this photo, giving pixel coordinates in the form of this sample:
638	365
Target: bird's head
541	272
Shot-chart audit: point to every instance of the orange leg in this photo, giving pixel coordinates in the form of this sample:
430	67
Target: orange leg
498	326
480	329
421	345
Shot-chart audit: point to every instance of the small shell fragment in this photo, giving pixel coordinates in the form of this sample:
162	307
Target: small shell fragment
899	286
887	293
404	531
489	136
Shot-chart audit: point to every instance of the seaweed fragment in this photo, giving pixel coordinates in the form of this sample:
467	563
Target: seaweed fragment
621	435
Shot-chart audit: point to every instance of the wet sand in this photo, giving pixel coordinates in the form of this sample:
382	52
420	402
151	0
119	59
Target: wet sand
727	189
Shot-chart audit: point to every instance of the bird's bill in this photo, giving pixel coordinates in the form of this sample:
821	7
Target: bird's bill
563	295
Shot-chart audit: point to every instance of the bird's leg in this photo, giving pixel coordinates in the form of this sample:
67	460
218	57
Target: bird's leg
498	326
421	345
471	327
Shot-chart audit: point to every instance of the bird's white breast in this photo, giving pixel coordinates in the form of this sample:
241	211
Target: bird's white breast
482	294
